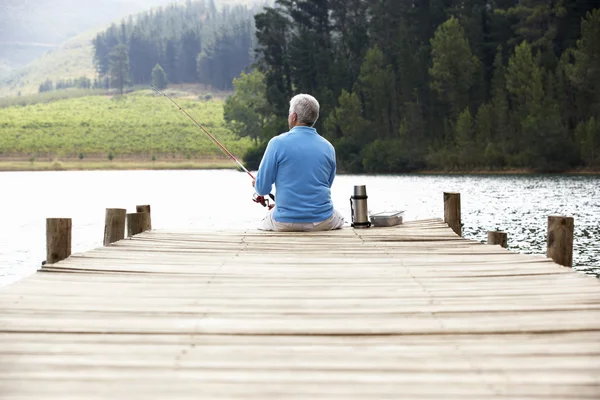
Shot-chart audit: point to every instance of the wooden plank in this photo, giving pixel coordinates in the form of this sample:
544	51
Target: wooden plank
412	311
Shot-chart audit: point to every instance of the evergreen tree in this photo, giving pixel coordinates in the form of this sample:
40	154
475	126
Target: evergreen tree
190	49
347	128
159	77
585	72
504	140
273	43
464	137
541	135
172	60
309	46
537	23
46	86
376	86
175	36
143	56
454	66
588	140
349	21
119	68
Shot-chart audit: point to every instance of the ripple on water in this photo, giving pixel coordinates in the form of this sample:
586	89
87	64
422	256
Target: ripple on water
518	205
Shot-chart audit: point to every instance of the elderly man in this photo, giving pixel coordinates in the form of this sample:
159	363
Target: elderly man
301	164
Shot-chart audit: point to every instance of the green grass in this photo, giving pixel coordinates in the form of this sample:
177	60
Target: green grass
48	97
72	165
139	125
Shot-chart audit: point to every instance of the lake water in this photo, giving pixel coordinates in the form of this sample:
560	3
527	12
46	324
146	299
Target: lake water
204	199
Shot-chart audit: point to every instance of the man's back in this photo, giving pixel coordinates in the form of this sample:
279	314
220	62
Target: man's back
302	166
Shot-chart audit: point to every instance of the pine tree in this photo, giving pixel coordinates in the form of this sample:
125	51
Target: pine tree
273	44
464	138
119	67
349	131
454	67
537	23
376	86
588	140
349	21
159	77
46	86
585	72
310	46
171	61
191	47
504	141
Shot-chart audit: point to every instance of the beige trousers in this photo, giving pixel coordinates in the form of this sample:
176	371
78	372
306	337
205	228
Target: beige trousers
336	221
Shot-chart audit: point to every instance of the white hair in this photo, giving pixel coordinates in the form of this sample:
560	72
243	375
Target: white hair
306	107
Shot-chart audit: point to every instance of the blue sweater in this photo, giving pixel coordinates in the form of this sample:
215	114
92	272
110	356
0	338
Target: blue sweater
301	164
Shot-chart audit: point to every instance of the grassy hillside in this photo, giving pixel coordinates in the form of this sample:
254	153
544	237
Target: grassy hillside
139	126
29	28
73	58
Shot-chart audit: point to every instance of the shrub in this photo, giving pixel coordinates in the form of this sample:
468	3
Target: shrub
254	155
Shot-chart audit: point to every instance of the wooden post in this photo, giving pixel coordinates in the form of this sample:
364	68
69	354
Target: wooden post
452	212
146	209
560	240
114	225
137	223
496	237
58	239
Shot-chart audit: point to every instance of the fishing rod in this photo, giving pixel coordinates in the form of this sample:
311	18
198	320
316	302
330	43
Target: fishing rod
257	199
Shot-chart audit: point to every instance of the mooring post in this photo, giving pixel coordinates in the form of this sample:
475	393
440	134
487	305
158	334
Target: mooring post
114	225
137	223
452	212
560	240
145	209
497	237
58	239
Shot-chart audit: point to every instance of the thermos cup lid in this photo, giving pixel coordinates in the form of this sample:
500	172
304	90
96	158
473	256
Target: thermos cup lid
360	190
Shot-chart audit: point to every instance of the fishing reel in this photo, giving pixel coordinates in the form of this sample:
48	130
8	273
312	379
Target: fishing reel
264	201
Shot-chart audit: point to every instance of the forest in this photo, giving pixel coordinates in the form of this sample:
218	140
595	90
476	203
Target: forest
432	84
192	43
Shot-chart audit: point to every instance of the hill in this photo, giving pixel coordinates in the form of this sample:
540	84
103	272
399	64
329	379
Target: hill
61	50
73	59
139	126
30	28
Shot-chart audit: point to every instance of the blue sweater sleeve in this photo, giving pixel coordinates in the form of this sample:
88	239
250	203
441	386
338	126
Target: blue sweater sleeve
332	175
267	171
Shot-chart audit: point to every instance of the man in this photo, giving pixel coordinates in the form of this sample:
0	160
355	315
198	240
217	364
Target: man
301	164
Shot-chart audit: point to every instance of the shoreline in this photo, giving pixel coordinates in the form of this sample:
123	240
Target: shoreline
133	164
585	171
120	165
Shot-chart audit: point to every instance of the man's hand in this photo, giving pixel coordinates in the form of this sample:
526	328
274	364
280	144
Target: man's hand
253	182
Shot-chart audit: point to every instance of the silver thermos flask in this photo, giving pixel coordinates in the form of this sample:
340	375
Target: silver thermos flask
358	206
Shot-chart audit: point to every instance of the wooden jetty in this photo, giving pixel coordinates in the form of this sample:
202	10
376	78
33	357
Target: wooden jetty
411	312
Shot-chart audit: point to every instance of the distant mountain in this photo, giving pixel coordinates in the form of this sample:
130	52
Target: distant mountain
30	28
52	39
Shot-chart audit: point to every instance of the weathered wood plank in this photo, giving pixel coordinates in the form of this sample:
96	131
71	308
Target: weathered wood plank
412	311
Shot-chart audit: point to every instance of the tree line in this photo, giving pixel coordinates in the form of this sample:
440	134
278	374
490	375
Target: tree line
450	84
191	43
80	83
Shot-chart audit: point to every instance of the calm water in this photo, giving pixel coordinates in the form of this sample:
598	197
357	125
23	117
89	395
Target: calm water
221	199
